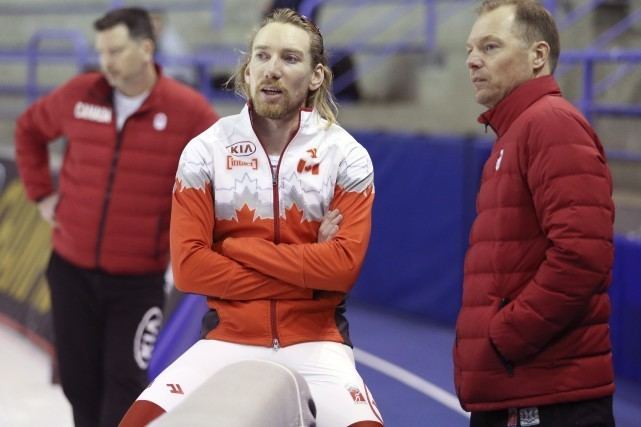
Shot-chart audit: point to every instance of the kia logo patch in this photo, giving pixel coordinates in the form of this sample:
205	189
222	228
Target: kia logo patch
242	149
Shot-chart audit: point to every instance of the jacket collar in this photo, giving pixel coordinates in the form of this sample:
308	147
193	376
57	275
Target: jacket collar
503	114
104	92
310	121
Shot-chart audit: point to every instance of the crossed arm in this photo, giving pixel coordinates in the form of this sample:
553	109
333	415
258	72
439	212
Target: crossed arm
245	268
330	265
199	269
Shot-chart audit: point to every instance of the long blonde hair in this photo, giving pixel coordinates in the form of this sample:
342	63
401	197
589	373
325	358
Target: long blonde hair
320	99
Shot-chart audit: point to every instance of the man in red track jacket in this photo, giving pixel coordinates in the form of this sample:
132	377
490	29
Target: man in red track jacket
532	339
124	132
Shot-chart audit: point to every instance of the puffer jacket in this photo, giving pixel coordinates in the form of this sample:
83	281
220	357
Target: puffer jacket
114	186
533	327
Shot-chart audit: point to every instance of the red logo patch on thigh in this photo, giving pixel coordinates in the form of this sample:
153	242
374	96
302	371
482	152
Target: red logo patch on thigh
356	394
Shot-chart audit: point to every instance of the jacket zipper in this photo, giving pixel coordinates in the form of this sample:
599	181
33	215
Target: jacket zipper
273	304
107	197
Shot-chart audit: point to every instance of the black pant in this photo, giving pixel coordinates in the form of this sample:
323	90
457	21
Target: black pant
105	327
585	413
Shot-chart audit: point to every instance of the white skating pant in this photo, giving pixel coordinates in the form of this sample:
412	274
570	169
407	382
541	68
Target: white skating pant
340	395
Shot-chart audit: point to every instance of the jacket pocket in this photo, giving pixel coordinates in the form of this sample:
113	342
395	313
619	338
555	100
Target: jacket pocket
508	365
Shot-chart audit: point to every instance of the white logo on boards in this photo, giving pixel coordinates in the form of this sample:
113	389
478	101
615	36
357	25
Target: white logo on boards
146	335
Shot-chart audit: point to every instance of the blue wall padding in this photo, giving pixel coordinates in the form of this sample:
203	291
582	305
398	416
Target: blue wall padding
626	307
424	205
180	331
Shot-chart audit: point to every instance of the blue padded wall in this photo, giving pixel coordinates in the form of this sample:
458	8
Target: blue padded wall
425	192
626	307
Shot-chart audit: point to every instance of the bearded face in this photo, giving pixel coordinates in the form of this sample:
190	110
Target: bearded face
279	74
272	101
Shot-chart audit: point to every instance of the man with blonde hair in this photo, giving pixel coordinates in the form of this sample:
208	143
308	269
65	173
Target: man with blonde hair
271	220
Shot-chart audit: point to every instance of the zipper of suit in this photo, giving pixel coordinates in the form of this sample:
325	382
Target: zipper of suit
108	190
273	304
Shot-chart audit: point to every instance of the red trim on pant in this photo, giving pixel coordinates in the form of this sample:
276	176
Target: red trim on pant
141	413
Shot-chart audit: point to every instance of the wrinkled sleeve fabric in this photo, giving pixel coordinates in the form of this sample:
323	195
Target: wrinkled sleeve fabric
36	127
333	265
571	191
196	266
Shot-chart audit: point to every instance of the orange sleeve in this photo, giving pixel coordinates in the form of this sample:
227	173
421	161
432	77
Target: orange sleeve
333	265
199	269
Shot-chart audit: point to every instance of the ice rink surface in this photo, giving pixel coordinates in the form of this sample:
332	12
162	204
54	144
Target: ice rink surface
27	397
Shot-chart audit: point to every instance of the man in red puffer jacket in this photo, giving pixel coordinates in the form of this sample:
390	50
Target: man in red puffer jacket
124	130
532	337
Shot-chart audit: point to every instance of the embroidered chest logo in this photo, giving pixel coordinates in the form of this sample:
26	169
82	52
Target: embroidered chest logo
497	166
241	163
160	121
308	165
91	112
241	149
